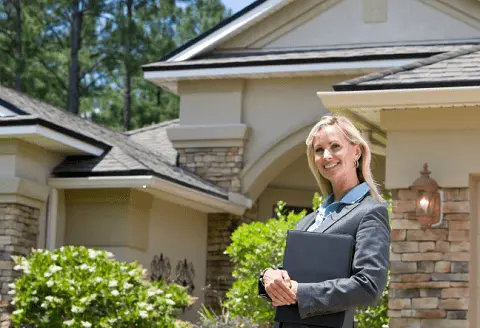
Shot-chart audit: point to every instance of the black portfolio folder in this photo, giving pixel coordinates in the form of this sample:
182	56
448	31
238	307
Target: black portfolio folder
315	257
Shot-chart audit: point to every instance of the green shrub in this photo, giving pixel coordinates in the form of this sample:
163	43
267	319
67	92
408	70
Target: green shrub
80	287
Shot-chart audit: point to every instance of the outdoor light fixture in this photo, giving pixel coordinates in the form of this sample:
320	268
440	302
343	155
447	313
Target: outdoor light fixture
428	199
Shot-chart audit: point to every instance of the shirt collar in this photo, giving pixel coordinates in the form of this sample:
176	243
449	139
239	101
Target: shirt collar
352	197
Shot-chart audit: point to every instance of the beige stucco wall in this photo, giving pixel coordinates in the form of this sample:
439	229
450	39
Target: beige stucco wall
114	220
309	23
447	139
210	102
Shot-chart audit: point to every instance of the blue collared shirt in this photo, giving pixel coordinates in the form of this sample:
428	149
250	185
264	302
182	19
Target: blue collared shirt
329	206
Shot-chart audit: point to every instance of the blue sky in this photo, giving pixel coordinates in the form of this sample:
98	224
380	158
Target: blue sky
237	5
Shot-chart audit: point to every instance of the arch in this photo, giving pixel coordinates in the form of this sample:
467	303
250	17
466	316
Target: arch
257	175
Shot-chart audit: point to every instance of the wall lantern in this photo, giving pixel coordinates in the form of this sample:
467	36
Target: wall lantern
428	199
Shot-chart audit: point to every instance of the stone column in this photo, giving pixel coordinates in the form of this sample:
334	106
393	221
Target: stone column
220	165
18	235
429	284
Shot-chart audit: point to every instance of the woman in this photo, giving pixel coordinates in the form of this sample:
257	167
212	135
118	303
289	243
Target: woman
339	159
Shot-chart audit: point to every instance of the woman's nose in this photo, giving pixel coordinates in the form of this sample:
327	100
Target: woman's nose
327	154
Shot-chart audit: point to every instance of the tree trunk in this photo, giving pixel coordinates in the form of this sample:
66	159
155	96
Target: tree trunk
19	60
74	69
127	96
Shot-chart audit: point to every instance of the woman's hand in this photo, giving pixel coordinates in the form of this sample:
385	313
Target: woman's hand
279	287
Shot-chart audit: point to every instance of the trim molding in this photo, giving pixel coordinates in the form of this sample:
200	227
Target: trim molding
361	67
368	104
236	203
228	135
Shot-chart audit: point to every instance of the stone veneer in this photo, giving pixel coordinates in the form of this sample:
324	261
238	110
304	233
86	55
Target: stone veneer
18	235
218	165
219	268
222	166
429	282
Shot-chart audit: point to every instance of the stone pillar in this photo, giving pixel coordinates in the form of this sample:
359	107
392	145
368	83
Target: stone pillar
429	285
18	235
219	268
218	165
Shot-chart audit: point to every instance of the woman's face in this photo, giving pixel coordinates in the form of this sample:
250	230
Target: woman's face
334	155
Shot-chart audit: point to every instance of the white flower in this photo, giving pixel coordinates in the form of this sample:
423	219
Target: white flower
49	298
45	318
62	249
13	302
17	268
77	309
170	302
168	295
143	314
50	283
98	280
115	292
69	322
12	285
54	257
35	299
142	305
109	255
92	253
113	283
54	268
44	305
149	307
86	324
11	292
132	272
17	312
127	285
92	269
112	321
84	267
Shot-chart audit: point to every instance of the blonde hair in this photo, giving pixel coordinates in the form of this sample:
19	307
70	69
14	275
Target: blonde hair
354	136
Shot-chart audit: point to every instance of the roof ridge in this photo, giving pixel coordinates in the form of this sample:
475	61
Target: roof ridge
419	63
151	127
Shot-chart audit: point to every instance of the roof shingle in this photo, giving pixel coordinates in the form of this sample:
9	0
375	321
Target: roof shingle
451	69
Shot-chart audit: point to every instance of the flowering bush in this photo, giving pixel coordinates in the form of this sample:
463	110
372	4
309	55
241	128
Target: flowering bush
80	287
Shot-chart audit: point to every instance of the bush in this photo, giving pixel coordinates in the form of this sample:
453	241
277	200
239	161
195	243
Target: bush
256	246
80	287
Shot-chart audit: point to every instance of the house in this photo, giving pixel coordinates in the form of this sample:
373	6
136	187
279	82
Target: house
251	88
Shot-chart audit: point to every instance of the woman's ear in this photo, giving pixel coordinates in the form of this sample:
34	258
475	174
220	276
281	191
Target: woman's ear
358	152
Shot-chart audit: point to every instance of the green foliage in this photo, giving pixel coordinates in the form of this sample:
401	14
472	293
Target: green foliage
254	247
80	287
209	319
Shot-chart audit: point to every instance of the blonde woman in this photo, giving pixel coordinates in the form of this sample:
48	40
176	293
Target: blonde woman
339	159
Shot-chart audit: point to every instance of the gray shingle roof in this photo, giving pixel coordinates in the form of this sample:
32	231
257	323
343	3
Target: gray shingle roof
125	156
155	137
262	58
451	69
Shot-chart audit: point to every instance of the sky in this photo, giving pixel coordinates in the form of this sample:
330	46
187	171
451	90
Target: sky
237	5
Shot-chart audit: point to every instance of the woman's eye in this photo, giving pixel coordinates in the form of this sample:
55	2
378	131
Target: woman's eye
319	150
335	146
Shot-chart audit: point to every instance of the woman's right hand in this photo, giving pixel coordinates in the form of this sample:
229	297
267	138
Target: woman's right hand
278	287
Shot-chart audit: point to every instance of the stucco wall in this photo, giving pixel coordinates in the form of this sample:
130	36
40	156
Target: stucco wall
177	232
303	25
447	139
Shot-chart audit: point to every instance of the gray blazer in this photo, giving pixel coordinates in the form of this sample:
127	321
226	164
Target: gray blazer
367	221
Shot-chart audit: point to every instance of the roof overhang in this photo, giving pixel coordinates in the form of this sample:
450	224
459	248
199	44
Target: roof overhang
368	104
168	78
235	203
227	29
51	136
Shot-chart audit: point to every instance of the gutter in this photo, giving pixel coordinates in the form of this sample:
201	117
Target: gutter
235	204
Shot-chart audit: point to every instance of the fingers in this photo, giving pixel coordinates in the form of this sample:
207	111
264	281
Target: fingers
278	289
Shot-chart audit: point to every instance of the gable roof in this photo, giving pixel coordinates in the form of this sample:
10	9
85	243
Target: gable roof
123	155
453	69
227	28
256	58
155	137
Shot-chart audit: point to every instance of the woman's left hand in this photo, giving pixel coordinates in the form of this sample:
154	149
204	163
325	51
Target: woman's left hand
293	288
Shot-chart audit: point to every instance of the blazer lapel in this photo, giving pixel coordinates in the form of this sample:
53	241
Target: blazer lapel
307	221
335	216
